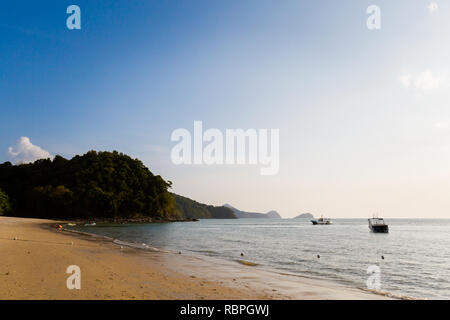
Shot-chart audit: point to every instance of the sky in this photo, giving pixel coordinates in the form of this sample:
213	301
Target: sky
363	115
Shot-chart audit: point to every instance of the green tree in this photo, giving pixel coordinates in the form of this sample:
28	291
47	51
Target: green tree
94	185
108	185
4	203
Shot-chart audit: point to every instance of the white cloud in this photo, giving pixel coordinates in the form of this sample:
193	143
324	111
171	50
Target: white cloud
405	80
25	152
433	7
424	81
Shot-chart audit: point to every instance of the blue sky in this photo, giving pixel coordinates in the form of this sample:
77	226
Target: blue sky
364	116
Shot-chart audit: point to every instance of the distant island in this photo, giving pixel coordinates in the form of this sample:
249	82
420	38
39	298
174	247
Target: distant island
107	186
304	216
243	214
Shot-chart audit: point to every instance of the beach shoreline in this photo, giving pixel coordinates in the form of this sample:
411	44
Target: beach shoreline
34	267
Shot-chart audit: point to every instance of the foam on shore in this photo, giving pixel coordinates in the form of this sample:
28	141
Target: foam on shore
287	284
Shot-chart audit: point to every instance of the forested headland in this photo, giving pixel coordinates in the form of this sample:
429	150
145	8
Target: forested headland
189	208
107	185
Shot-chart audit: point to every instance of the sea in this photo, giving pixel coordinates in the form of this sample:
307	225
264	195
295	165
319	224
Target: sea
412	260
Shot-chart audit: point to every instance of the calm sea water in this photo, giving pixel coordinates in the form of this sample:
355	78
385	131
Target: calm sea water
416	252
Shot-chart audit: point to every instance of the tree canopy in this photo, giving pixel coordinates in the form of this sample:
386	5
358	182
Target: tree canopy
108	185
4	203
96	184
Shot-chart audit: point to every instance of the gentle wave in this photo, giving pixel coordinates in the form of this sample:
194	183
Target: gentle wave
412	257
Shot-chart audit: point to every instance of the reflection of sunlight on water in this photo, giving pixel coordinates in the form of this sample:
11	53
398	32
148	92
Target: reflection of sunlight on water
416	255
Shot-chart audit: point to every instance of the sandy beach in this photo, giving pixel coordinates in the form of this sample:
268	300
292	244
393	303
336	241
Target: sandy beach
33	266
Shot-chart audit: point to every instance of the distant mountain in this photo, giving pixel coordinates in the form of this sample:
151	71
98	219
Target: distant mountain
243	214
273	215
304	216
189	208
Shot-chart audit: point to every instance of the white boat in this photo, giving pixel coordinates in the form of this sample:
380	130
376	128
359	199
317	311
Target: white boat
321	221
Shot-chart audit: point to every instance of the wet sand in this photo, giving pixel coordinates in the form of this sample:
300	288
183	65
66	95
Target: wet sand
34	267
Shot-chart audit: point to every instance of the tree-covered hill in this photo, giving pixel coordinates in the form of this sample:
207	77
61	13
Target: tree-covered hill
189	208
96	184
107	185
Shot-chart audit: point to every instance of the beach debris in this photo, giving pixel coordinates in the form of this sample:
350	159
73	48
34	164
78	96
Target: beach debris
71	243
382	257
121	247
15	238
318	256
242	254
179	252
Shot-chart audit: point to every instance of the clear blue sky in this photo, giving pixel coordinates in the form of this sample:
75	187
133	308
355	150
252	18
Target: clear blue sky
364	116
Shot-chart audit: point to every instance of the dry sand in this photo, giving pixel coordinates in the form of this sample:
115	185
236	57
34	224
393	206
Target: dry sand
34	267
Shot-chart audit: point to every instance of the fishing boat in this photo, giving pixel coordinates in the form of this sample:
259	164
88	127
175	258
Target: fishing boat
377	225
321	221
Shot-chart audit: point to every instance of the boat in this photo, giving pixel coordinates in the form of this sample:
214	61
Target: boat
377	225
321	221
90	224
